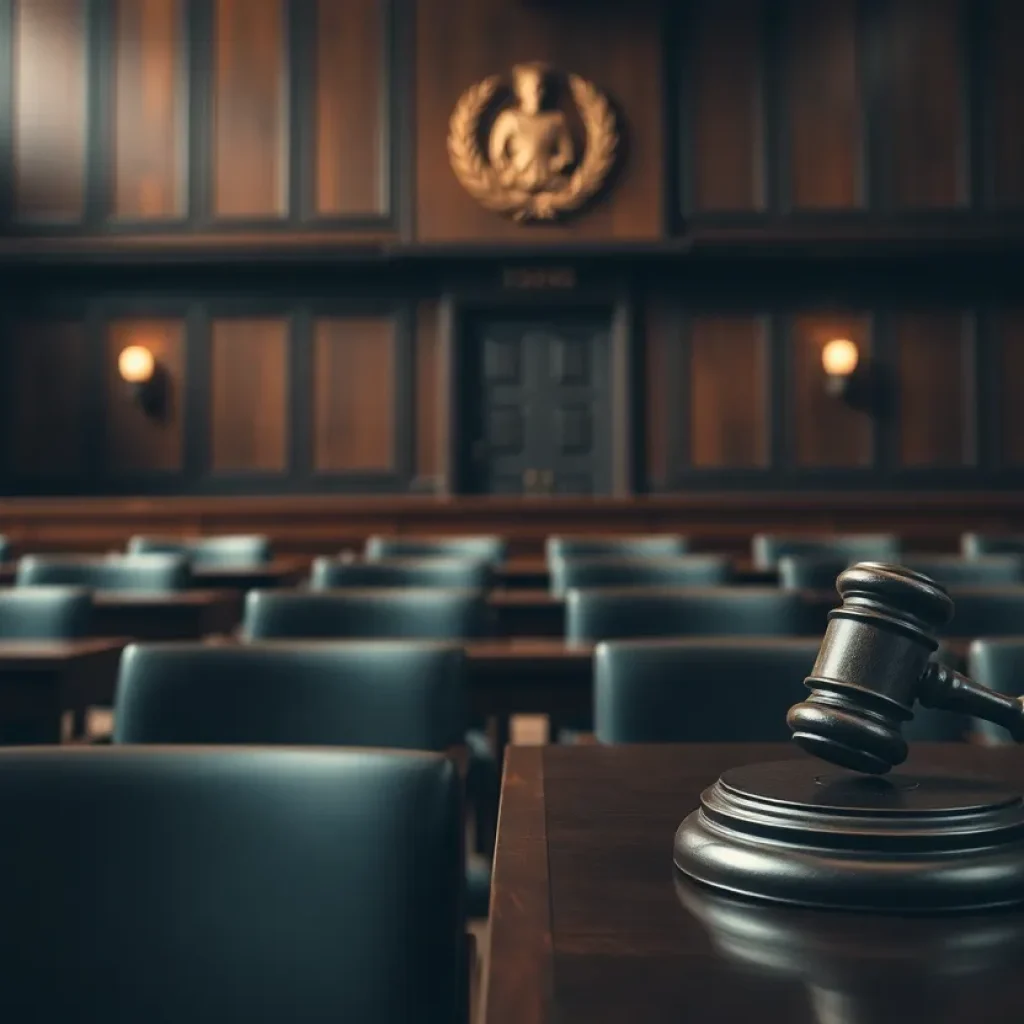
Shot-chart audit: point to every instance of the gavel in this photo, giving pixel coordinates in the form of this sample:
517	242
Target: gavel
875	662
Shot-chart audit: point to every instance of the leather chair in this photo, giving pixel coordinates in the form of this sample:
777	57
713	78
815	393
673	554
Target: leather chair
482	548
653	545
977	545
768	548
391	694
710	691
226	552
153	573
224	884
595	615
365	614
999	665
987	611
44	613
447	574
684	571
5	549
355	693
807	573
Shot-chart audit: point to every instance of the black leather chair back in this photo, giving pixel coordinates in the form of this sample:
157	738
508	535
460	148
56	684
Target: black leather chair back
226	884
987	611
653	545
482	549
5	549
684	571
45	613
354	614
154	573
357	693
448	574
801	572
768	548
977	545
699	691
710	691
595	615
229	551
999	665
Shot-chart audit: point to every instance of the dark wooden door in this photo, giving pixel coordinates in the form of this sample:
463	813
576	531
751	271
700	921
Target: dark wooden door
539	418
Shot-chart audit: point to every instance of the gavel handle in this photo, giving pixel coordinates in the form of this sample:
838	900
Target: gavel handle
947	690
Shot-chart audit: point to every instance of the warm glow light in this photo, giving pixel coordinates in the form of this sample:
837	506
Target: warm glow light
839	357
136	364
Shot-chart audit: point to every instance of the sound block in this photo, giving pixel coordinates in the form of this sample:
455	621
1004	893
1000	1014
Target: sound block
807	834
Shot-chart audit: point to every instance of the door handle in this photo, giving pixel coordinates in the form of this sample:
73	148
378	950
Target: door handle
530	481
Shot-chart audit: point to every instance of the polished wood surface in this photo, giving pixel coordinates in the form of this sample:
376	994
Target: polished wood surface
314	525
41	681
587	926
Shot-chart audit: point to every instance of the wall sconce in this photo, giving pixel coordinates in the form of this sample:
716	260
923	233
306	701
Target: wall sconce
839	359
145	377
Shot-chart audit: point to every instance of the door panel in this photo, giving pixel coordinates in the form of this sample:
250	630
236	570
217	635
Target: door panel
540	420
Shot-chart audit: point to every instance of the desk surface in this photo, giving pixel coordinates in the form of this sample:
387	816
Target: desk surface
22	655
591	925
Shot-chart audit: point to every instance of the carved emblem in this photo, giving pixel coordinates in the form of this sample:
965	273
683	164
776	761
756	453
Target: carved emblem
532	170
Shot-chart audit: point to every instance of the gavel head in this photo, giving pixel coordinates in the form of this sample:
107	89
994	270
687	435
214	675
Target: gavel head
865	679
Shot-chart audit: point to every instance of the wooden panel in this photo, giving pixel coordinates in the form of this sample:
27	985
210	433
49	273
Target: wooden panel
429	413
925	136
137	442
150	133
354	394
660	330
460	43
250	137
1004	47
826	431
50	116
1009	330
350	122
46	428
249	395
823	103
728	370
936	383
726	106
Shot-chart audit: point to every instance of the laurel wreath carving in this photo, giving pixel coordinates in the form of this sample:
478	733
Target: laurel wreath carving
478	178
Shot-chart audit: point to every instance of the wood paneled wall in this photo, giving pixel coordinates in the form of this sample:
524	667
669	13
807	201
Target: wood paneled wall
268	122
744	401
263	397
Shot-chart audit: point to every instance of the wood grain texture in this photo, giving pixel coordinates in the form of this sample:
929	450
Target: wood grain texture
47	415
661	333
350	111
726	108
826	431
1008	327
250	119
429	412
249	395
354	394
936	382
925	137
1004	47
135	442
150	120
823	104
50	114
728	396
459	43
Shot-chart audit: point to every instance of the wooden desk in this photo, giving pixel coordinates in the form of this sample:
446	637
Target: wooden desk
40	680
587	926
532	574
282	572
183	615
